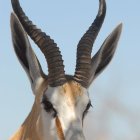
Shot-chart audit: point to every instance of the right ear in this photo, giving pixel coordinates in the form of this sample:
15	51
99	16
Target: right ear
105	54
24	51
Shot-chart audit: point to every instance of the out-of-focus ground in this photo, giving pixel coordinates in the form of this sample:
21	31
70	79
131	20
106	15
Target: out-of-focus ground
111	119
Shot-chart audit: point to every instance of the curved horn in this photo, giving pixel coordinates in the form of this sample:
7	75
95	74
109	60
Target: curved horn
84	47
56	76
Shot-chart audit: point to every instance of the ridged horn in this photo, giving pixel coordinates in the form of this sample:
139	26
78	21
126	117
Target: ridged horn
56	74
84	48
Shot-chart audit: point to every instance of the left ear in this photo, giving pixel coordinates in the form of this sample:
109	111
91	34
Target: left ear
105	54
25	53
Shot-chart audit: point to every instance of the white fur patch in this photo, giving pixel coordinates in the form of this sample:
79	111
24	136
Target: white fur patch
70	115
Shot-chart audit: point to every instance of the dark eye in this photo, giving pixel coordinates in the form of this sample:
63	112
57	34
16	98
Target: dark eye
49	107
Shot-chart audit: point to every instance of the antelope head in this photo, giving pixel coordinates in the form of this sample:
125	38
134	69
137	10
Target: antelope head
61	101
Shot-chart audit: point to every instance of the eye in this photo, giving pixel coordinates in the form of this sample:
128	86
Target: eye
87	109
49	107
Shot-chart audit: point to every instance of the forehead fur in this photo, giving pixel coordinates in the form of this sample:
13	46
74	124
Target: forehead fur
73	87
72	90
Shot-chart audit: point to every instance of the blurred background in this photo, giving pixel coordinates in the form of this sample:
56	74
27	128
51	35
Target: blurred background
115	94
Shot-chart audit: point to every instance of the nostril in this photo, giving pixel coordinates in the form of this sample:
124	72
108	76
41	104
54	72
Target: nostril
77	136
75	132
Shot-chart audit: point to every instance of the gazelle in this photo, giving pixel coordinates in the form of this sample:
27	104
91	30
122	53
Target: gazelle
61	101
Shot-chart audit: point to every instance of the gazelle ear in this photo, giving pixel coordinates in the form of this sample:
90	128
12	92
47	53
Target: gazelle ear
105	54
24	51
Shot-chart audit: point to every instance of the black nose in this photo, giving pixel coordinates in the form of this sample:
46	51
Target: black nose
78	136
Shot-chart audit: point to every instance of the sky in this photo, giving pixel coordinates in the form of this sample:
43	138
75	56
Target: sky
115	94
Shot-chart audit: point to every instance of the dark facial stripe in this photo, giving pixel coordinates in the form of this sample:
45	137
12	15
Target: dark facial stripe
59	129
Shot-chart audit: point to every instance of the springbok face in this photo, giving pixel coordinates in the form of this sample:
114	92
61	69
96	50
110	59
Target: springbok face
61	101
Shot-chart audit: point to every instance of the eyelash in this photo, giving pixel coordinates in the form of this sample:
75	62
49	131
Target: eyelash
87	109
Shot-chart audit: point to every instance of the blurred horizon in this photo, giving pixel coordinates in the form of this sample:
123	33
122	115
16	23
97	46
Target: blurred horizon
115	94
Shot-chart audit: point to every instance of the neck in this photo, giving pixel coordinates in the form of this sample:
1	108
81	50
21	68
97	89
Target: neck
28	129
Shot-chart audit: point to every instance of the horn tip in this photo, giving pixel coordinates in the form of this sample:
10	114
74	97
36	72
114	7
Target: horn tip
102	8
120	25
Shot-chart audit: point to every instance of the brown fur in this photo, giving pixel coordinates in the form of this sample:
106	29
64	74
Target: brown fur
59	129
71	90
28	130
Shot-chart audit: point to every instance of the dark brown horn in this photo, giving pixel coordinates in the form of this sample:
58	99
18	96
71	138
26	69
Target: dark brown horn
84	48
56	76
